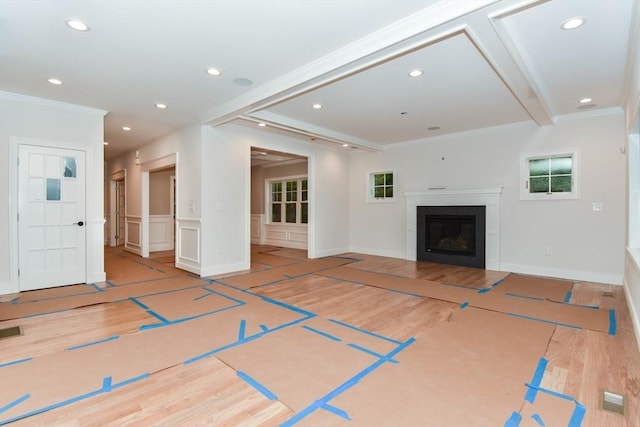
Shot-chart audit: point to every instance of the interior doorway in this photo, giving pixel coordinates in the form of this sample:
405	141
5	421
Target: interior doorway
117	209
279	199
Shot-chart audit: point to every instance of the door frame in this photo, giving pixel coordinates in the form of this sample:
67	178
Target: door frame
146	167
14	149
120	175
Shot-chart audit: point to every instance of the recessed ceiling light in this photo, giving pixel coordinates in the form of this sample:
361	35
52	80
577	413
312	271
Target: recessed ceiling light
262	124
161	106
434	128
415	73
78	25
572	23
316	106
345	145
585	100
56	82
213	71
404	113
126	128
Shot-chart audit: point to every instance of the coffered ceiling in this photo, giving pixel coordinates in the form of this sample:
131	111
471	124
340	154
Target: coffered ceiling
484	63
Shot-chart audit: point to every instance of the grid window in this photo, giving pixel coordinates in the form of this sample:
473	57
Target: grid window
289	201
381	186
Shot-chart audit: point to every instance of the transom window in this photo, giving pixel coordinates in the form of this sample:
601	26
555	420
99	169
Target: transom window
551	176
288	201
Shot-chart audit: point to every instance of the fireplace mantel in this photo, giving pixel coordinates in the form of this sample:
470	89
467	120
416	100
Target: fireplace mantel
479	196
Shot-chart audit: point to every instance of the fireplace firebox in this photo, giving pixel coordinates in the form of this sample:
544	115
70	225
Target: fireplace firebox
451	235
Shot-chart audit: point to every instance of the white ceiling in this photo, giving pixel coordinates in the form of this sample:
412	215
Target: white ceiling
485	63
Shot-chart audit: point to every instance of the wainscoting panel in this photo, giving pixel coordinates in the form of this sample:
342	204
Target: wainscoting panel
286	235
133	233
160	233
188	245
257	228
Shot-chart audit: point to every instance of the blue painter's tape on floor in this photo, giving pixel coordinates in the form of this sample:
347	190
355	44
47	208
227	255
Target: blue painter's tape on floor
15	362
578	415
612	322
537	319
538	419
514	420
567	297
14	403
373	334
324	334
371	352
464	305
339	412
537	379
511	294
255	384
89	344
243	327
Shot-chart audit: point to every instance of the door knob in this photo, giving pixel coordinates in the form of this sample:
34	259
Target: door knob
79	223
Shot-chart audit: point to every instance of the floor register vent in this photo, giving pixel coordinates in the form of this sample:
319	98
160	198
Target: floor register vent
13	331
613	402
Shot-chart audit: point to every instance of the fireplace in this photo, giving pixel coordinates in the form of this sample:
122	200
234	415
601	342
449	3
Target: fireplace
451	235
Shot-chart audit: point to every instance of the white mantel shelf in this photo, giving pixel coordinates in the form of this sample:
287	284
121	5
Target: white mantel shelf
458	196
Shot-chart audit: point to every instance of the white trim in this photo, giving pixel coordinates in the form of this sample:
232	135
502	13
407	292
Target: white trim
575	175
50	103
370	185
578	275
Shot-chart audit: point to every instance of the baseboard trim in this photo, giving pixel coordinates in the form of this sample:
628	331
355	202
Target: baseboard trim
223	269
585	276
635	317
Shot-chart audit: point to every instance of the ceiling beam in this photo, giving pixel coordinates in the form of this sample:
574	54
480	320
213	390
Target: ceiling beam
353	58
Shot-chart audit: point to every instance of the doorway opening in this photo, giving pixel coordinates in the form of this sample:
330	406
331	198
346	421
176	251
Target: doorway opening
279	200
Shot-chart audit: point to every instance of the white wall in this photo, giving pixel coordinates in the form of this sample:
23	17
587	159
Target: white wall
48	121
328	193
586	245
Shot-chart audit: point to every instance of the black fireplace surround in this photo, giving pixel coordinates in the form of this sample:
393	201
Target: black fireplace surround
451	235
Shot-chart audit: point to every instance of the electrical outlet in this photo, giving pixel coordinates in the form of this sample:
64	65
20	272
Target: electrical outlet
548	250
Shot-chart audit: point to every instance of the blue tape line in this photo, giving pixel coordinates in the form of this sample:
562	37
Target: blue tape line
612	322
511	294
14	403
186	319
225	296
371	352
96	287
373	334
567	297
537	319
346	385
275	282
72	400
15	362
110	284
538	419
339	412
264	328
89	344
552	393
484	290
324	334
15	300
464	305
497	282
578	415
537	379
138	303
208	293
243	326
514	420
106	383
255	384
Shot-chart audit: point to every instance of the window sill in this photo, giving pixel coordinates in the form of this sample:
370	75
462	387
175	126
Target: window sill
387	200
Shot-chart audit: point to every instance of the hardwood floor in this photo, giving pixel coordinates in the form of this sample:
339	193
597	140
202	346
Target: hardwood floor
272	314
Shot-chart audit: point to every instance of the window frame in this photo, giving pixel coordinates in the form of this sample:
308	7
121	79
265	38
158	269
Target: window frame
371	187
283	200
525	186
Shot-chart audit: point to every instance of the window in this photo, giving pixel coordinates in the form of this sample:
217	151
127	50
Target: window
550	177
381	186
289	201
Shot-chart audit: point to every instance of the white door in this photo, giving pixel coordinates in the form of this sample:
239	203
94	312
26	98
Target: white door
51	217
